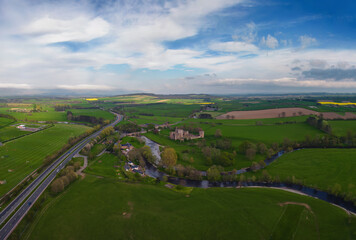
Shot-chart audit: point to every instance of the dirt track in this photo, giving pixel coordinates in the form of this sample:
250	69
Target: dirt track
282	112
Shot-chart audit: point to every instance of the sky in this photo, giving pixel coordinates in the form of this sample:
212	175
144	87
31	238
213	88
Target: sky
178	46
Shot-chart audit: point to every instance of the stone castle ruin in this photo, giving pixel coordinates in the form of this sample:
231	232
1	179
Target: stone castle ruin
181	134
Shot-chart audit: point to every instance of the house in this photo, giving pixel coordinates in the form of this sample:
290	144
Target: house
127	146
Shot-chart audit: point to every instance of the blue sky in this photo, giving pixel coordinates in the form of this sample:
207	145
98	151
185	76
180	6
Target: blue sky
195	46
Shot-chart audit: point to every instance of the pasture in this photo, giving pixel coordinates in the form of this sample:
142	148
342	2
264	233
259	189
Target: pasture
115	210
10	132
342	127
103	165
22	156
5	121
320	168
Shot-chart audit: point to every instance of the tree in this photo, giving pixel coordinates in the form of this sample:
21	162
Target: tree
213	173
218	133
250	153
246	145
57	186
261	148
169	157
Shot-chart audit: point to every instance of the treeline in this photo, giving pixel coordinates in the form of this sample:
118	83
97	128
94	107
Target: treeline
61	107
65	177
128	127
319	123
7	116
84	118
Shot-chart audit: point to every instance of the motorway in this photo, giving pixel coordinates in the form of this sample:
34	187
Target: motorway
40	184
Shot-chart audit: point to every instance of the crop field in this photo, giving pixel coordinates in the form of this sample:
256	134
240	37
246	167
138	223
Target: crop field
268	113
321	168
115	210
20	157
342	127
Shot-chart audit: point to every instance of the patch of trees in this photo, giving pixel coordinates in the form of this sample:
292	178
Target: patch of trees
139	155
84	118
128	127
188	172
319	123
146	114
66	177
216	156
61	107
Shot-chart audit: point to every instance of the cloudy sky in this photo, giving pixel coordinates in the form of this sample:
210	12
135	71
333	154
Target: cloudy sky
192	46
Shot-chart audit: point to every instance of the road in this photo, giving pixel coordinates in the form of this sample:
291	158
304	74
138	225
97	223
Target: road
40	184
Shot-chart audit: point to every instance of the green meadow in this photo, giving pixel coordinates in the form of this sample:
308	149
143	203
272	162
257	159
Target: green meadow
342	127
20	157
11	132
102	208
320	168
5	121
103	165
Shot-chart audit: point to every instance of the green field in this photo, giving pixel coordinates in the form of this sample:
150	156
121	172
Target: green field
20	157
5	121
320	168
96	208
133	141
48	115
341	127
10	132
103	165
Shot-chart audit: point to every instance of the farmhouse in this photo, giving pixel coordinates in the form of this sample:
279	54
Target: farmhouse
181	134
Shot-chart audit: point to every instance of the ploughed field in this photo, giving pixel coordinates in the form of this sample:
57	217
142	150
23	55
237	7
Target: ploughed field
20	157
102	208
320	168
283	112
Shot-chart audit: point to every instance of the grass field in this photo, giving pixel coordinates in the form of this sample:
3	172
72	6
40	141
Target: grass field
106	209
341	127
10	132
50	115
5	121
133	141
103	165
20	157
321	168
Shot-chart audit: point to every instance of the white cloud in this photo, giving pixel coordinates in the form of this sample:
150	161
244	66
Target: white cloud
81	29
15	85
84	87
269	41
233	47
307	41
